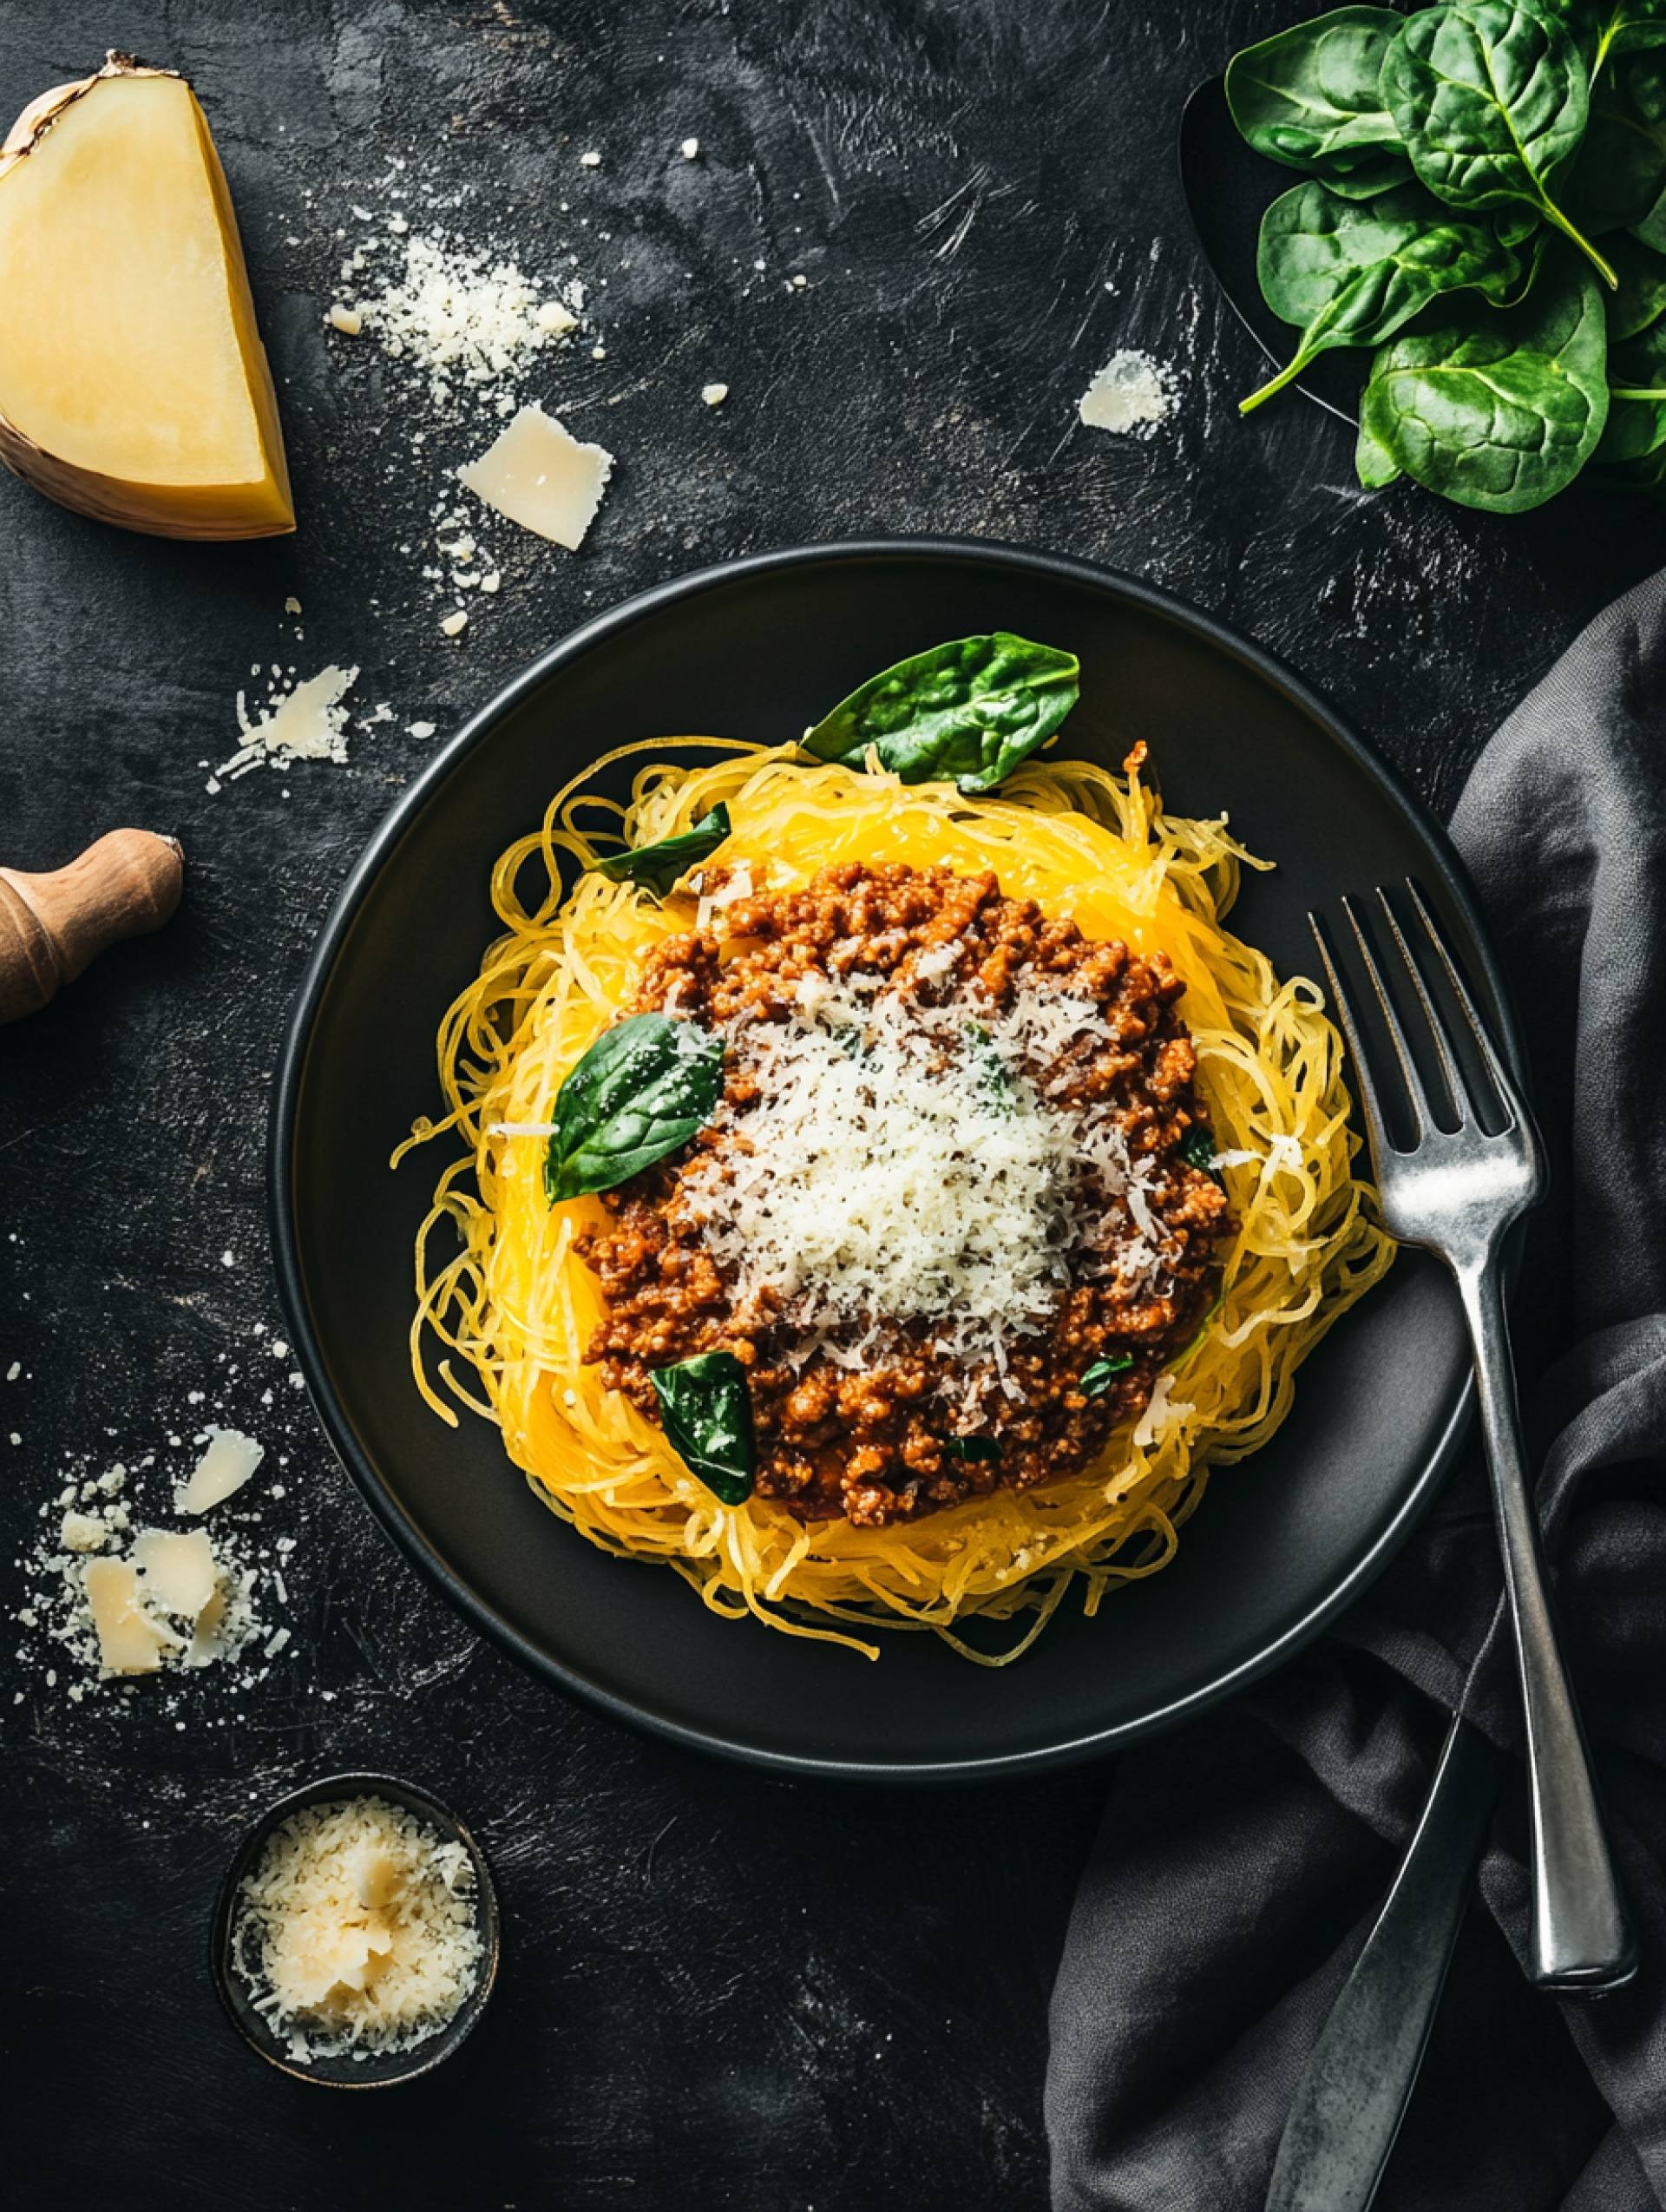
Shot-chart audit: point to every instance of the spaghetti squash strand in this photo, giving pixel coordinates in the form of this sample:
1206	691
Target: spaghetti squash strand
510	1297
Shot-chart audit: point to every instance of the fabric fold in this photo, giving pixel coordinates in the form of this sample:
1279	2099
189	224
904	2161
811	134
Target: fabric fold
1242	1861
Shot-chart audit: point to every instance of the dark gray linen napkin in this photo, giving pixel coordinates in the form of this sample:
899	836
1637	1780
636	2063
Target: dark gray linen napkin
1242	1861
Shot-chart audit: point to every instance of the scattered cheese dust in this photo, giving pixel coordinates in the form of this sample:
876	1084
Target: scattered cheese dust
541	477
121	1602
309	722
462	318
1131	395
357	1932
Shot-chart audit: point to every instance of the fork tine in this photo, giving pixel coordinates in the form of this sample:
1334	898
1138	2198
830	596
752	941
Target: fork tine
1509	1096
1451	1074
1370	1108
1422	1117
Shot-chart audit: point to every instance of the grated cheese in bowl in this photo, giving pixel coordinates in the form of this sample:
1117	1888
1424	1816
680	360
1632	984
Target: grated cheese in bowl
356	1934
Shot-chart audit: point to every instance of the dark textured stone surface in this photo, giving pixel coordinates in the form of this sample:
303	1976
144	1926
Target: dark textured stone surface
716	1990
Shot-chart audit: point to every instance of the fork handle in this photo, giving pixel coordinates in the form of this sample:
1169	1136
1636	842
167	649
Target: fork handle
1582	1939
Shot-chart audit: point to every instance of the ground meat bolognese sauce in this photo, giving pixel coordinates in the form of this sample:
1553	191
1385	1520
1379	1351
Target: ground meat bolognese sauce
953	1214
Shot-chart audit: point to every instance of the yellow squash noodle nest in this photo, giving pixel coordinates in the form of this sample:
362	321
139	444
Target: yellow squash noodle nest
499	1284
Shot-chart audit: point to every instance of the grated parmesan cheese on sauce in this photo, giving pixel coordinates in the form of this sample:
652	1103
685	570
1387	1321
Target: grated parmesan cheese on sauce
913	1170
356	1930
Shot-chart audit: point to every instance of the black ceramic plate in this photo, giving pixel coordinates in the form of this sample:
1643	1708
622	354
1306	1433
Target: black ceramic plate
1229	188
756	650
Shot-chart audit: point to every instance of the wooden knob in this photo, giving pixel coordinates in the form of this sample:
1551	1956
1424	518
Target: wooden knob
124	885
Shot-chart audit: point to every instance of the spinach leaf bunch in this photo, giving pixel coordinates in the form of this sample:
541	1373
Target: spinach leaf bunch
1484	212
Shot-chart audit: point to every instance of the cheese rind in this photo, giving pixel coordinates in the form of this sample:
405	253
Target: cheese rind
542	477
133	384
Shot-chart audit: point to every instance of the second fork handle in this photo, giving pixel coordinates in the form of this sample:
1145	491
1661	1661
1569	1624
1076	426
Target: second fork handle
1582	1940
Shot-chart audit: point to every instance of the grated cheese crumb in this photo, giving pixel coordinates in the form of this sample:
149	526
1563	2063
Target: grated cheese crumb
1129	396
308	723
356	1930
914	1170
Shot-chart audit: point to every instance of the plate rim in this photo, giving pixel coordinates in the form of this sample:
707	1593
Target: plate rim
288	1077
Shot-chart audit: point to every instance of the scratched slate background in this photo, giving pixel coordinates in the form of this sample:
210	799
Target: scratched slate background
717	1990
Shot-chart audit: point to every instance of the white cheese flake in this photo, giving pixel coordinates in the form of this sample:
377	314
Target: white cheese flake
540	476
227	1464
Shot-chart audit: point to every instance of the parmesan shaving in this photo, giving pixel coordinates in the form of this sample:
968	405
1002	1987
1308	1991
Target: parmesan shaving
227	1464
356	1930
540	476
180	1570
1129	396
130	1641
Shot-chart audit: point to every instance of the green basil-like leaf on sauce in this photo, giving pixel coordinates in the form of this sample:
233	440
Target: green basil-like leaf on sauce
971	1447
1197	1148
658	865
706	1411
646	1086
971	709
1096	1379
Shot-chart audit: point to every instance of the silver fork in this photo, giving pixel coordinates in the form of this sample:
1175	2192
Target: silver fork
1456	1192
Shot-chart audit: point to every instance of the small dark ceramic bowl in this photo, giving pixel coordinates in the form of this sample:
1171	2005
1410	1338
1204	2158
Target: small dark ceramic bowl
383	2070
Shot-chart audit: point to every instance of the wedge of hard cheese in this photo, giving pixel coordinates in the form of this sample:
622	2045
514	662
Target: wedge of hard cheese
134	386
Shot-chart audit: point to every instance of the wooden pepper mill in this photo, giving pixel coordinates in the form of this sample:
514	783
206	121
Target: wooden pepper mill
124	885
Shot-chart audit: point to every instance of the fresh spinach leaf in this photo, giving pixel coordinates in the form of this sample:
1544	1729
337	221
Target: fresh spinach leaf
1618	181
1636	406
1308	97
1096	1379
971	1447
1514	223
1647	476
659	864
971	709
1490	99
706	1412
1353	274
1495	410
1644	92
1641	298
1599	28
1376	172
646	1086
